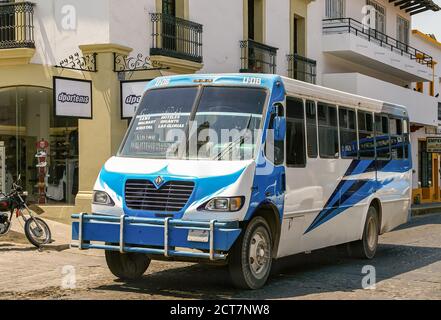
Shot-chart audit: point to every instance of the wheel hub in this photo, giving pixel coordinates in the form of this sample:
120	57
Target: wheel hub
372	234
259	257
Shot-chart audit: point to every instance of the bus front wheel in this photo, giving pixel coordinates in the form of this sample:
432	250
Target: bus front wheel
250	259
127	266
366	248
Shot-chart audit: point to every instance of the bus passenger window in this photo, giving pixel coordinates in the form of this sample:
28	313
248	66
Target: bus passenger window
382	137
406	138
275	150
366	135
328	131
396	138
295	133
348	134
311	123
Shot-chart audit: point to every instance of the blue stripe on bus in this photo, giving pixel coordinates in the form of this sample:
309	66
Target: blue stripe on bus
350	192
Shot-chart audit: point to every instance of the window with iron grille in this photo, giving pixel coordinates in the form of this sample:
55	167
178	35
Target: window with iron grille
7	22
335	9
403	30
16	24
380	16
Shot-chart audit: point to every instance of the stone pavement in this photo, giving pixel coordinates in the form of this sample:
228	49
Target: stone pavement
408	266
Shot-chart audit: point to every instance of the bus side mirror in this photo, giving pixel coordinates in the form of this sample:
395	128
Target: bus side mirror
279	128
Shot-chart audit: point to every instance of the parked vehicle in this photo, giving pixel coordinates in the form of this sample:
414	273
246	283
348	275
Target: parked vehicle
320	168
36	230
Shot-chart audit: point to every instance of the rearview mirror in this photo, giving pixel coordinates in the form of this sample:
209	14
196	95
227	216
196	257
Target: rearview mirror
279	128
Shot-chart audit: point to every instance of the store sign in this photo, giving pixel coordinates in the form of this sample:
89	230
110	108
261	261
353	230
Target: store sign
131	95
73	98
434	145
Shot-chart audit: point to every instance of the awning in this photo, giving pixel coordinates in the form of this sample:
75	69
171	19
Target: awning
416	6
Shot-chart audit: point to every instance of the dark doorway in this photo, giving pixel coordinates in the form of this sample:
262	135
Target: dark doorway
296	35
251	20
169	24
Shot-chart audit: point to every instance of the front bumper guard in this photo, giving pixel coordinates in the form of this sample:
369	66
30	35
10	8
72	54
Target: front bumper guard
168	224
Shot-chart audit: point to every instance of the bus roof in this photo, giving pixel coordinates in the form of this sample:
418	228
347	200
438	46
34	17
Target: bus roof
341	98
292	87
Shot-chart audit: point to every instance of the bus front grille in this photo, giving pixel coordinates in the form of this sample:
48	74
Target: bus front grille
143	195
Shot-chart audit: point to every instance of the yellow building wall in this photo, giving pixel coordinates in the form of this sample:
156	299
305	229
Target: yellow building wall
432	194
99	138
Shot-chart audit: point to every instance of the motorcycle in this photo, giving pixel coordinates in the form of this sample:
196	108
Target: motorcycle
36	230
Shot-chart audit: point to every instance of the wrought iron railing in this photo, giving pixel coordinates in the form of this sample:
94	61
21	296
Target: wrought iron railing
301	68
349	25
176	37
17	25
257	57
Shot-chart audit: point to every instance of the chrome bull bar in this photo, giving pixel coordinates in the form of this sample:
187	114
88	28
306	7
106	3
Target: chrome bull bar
167	223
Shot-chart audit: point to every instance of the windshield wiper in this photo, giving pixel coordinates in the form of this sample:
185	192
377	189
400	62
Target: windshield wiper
240	141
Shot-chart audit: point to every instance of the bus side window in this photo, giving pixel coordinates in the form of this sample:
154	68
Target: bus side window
348	134
277	147
366	135
311	123
328	131
396	136
295	133
406	138
382	137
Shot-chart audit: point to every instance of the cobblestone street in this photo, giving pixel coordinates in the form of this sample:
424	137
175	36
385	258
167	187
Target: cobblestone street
408	266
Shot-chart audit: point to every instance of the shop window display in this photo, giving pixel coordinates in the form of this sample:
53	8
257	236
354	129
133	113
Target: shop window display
41	148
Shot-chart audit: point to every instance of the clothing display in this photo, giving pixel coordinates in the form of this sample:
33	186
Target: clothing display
62	178
56	191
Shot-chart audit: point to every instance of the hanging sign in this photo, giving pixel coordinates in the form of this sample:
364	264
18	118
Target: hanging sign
131	95
73	98
434	145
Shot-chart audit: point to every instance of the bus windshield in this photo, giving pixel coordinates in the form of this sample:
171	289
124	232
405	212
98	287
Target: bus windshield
208	123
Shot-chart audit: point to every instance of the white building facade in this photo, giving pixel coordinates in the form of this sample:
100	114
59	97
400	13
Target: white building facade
368	48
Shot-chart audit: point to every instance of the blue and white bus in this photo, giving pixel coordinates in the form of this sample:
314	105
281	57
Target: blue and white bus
299	167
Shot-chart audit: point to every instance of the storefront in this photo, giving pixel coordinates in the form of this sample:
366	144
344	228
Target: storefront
26	119
426	179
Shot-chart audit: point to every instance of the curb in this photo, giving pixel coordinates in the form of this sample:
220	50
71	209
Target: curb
57	248
416	212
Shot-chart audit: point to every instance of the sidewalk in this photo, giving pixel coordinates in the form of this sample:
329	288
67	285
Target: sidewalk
422	209
61	233
427	208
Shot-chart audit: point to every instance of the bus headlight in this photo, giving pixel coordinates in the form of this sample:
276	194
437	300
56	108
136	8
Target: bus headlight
224	204
102	198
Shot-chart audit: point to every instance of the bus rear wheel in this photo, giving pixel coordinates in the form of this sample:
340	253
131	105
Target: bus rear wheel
250	259
366	248
127	266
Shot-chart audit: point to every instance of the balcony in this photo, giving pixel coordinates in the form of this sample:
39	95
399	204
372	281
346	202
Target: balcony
351	40
301	68
176	38
422	108
257	57
17	25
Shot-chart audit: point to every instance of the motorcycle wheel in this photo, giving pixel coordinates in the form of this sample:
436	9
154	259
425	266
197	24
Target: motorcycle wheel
37	231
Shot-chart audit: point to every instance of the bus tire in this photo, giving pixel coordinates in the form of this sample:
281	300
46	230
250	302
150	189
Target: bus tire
127	266
366	248
250	259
